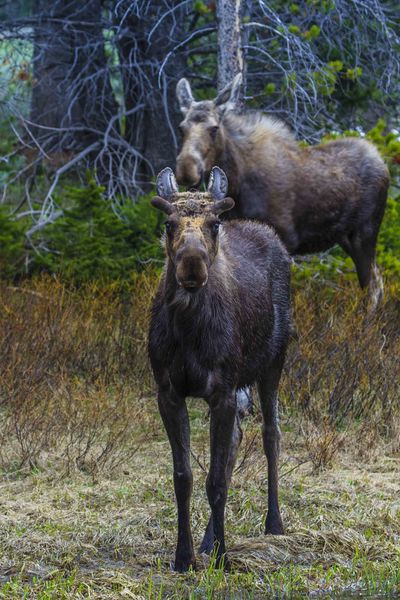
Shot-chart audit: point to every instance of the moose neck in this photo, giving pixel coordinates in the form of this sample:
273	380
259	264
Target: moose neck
231	158
247	141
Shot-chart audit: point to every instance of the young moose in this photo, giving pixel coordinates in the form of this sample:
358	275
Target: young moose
220	322
314	197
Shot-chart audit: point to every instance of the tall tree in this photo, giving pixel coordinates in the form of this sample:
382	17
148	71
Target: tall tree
318	65
146	34
72	100
230	51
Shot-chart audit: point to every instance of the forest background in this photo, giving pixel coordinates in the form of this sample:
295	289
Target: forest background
88	114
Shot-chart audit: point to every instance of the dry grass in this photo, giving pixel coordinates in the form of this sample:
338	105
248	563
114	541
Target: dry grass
74	374
344	363
115	538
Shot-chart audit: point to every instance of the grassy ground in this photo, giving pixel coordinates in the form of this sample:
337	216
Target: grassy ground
114	538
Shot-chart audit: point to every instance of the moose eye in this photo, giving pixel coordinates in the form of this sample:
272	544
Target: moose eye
215	227
168	227
213	131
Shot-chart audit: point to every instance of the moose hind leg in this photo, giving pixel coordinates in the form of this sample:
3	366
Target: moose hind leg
207	543
362	251
268	392
174	414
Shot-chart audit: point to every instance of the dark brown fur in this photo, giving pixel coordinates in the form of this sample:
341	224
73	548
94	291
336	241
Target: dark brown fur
314	197
210	339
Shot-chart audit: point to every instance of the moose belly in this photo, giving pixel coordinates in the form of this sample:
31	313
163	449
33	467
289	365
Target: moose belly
189	377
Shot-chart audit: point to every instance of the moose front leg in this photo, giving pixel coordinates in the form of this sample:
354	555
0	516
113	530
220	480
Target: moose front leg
174	414
223	413
207	543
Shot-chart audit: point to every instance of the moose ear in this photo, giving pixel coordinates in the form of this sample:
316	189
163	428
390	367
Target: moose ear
223	205
163	205
217	184
229	97
184	95
166	184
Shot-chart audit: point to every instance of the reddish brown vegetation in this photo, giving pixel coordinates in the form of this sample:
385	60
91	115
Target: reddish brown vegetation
74	374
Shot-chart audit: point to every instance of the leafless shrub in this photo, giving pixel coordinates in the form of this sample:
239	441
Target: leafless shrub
74	369
344	363
322	443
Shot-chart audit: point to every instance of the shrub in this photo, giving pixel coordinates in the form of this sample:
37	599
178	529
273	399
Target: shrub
12	245
76	385
89	242
322	443
344	364
74	369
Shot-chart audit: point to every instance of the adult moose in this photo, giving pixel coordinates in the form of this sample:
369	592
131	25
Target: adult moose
220	322
314	197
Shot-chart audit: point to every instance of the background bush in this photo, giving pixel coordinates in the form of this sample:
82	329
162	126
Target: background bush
74	372
90	242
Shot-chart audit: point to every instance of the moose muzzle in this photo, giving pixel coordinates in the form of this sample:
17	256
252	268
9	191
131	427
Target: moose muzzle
191	264
189	170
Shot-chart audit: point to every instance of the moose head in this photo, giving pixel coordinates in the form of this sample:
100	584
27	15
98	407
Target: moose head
192	226
201	131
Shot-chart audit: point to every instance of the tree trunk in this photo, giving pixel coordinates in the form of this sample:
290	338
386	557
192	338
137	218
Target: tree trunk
230	52
72	99
143	43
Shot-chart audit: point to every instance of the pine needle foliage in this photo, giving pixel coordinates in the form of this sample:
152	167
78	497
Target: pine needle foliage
90	242
12	245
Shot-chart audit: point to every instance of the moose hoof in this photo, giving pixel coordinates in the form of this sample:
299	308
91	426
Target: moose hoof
274	525
184	564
